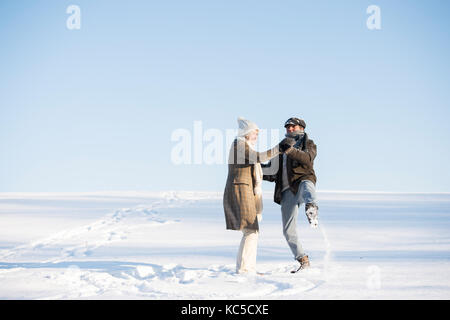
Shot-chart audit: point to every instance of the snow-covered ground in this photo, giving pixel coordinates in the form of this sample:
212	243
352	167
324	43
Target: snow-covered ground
173	245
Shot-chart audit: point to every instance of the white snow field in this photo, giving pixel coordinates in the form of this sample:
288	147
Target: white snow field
173	245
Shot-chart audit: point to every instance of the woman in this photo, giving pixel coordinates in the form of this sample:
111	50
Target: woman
242	200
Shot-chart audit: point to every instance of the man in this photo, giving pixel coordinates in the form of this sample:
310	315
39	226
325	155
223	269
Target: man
295	184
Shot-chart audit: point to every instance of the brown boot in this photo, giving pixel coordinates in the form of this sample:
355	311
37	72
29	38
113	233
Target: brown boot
304	263
312	213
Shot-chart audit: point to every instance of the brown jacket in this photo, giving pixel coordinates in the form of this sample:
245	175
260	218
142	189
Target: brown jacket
299	165
240	203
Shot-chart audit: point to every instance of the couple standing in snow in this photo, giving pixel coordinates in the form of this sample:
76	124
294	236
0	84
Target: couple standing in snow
294	177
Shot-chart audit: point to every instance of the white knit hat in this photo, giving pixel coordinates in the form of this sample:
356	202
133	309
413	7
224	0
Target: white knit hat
245	127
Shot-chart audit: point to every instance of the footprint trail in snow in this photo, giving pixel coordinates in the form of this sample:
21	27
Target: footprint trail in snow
81	241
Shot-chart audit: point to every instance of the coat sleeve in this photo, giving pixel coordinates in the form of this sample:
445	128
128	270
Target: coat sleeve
246	155
268	177
304	157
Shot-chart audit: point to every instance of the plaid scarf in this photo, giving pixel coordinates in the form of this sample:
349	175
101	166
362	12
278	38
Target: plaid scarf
300	137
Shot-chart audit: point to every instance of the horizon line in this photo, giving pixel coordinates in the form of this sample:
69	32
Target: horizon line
214	192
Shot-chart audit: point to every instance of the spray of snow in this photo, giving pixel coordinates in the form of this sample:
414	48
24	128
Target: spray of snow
327	257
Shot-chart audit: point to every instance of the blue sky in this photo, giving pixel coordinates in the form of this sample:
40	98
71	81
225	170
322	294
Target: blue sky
94	109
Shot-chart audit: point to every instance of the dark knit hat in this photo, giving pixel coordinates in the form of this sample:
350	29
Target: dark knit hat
295	122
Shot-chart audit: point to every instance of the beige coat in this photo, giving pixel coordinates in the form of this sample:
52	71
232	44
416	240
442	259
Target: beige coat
240	201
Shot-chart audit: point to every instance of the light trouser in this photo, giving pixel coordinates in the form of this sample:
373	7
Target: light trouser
246	257
290	203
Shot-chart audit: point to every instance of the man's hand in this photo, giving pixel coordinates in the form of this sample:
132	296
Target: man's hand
286	143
